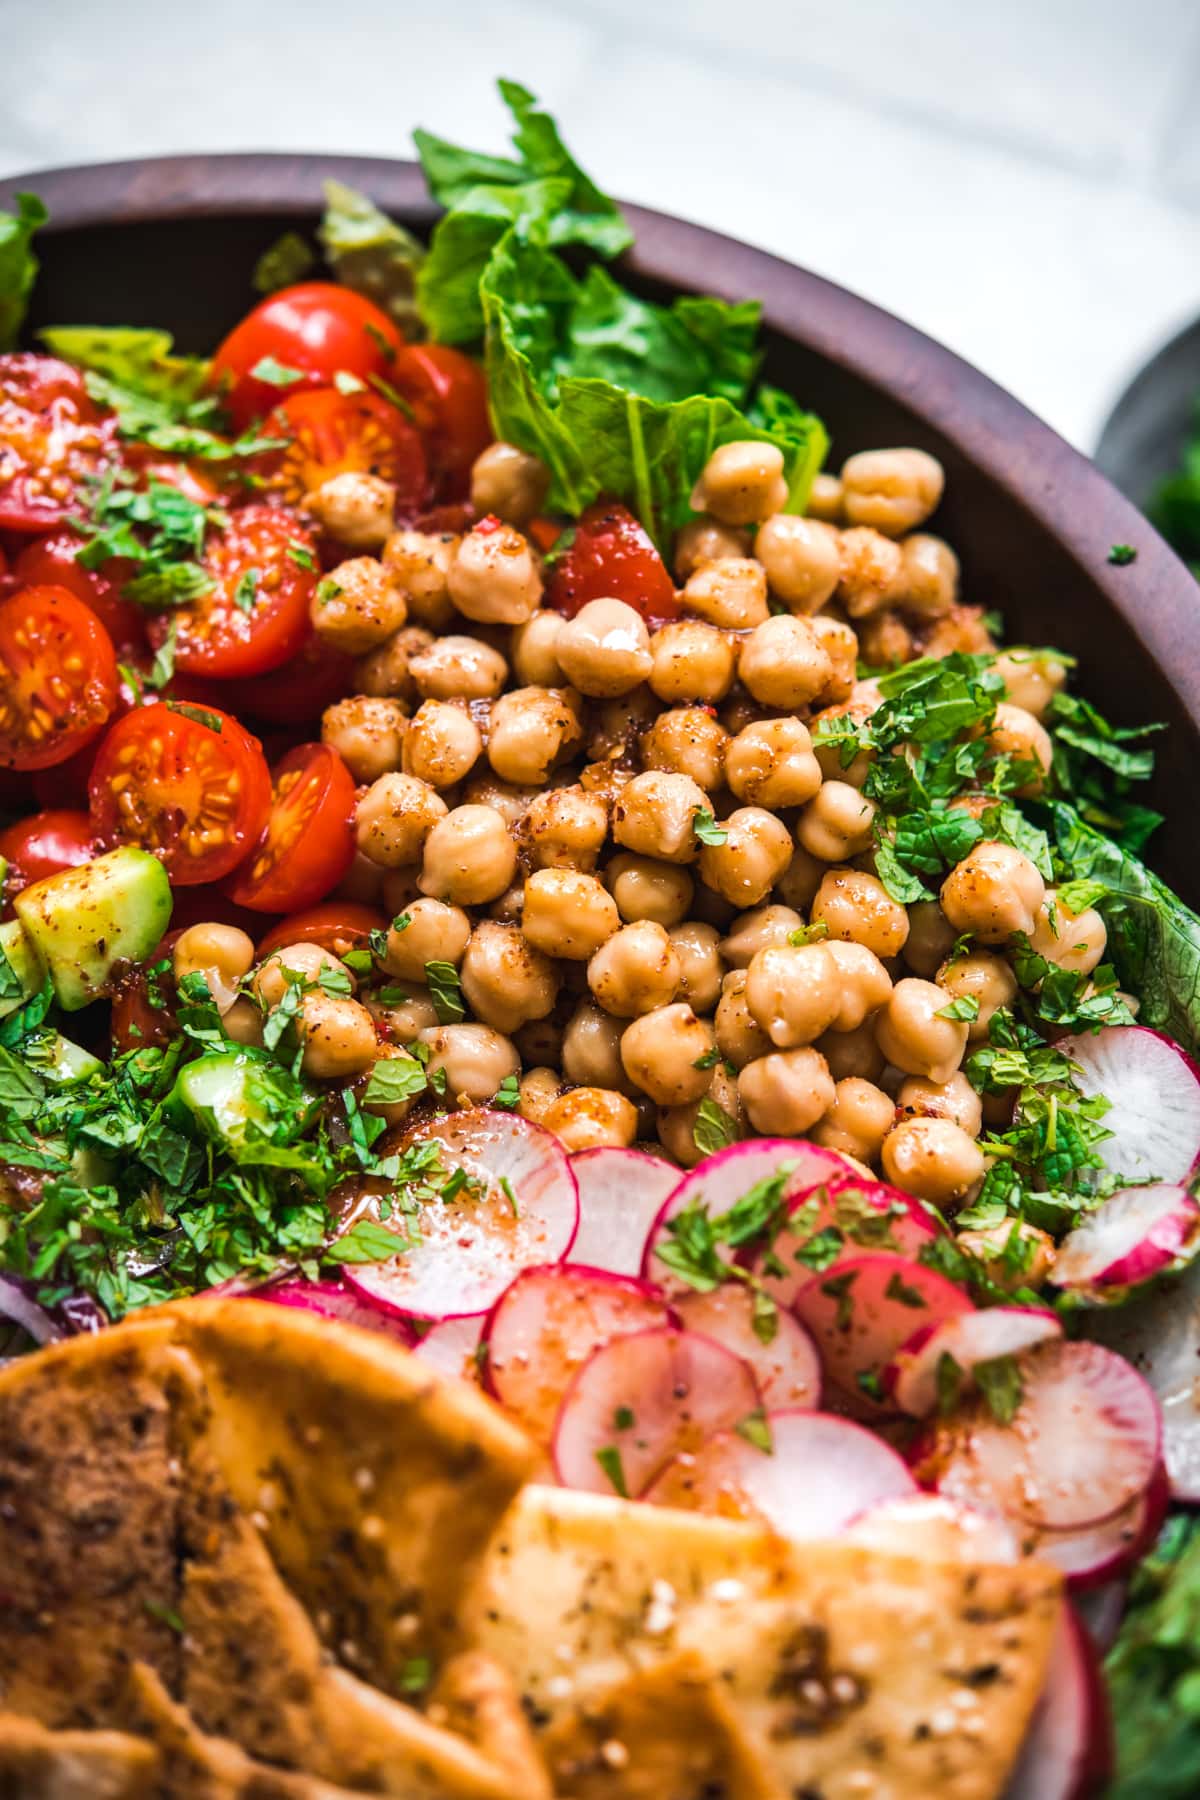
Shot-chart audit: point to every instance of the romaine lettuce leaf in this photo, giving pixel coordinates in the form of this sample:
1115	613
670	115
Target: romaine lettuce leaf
1153	1673
18	264
370	253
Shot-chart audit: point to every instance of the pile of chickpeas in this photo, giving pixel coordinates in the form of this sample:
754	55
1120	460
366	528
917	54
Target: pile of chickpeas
530	790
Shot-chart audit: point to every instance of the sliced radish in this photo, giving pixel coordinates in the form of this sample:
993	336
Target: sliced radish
787	1366
1136	1234
1153	1091
452	1347
334	1301
1100	1611
864	1214
521	1209
547	1323
818	1474
911	1377
1159	1333
1083	1445
935	1529
641	1400
621	1193
1068	1749
861	1310
1100	1553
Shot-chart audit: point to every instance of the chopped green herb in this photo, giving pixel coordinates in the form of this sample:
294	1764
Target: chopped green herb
706	828
756	1429
816	933
284	262
609	1459
246	592
1122	555
393	1080
508	1095
962	1010
275	373
999	1381
445	990
623	1418
506	1189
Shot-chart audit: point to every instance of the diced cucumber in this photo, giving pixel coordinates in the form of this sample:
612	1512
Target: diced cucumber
66	1061
85	921
21	968
219	1093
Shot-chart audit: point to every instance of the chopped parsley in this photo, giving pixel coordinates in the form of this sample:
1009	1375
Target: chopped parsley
609	1458
706	828
1121	555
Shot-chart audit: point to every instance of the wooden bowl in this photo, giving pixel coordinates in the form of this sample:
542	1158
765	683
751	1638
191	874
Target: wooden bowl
172	241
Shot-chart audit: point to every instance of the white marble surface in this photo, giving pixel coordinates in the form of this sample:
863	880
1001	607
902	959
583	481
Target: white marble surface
1021	181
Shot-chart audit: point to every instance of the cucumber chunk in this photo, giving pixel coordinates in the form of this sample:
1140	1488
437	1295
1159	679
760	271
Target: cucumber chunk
62	1060
86	921
236	1098
21	968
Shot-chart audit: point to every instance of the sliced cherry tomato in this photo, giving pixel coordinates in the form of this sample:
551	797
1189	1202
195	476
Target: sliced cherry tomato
544	532
188	783
337	926
255	615
53	439
612	557
298	692
52	560
448	396
308	843
43	844
193	483
144	1000
331	433
316	328
58	677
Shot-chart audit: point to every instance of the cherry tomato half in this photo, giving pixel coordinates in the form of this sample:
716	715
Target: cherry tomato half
331	433
58	677
255	615
308	843
298	691
448	396
612	557
337	926
43	844
52	559
143	1003
316	328
53	439
188	783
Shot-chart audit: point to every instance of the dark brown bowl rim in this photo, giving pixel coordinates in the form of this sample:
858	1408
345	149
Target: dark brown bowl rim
1155	595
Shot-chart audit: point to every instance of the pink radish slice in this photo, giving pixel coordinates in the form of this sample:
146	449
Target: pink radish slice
1138	1233
641	1400
621	1193
867	1215
546	1324
1099	1553
333	1301
788	1368
935	1529
463	1252
1068	1749
1083	1445
1159	1333
452	1347
1153	1090
911	1378
819	1473
1100	1611
866	1306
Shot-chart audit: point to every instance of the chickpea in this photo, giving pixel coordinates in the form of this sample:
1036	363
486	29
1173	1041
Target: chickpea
831	749
606	780
338	1035
933	1159
660	1052
993	892
458	668
533	650
956	1100
793	994
587	1118
760	929
508	483
510	905
771	763
865	985
914	1038
840	644
511	802
1031	678
886	640
220	953
858	1121
357	606
539	1090
798	884
646	889
701	970
853	1053
786	1093
529	730
691	661
565	828
398	888
837	823
686	741
800	557
1017	734
393	1112
740	1038
929	573
469	857
1071	940
893	491
431	932
856	908
505	980
1016	1254
730	592
362	882
963	628
355	508
367	733
386	671
419	562
871	566
591	1049
753	855
655	816
705	540
476	1060
742	483
493	577
825	499
783	663
982	977
272	978
604	650
394	817
568	914
635	971
243	1022
676	1125
442	744
931	937
405	1020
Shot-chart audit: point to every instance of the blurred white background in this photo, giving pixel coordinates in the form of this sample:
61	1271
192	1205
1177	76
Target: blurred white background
1021	181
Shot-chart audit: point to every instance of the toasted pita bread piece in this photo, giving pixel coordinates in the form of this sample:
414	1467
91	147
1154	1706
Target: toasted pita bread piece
667	1733
857	1673
39	1764
477	1699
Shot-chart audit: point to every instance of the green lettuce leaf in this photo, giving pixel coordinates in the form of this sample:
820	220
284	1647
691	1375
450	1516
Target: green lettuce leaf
18	264
1153	1673
448	283
370	253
